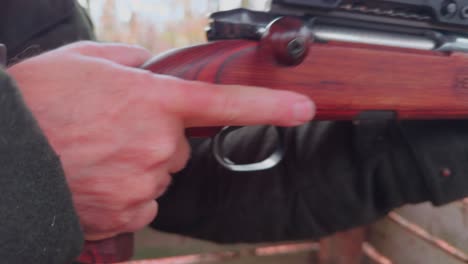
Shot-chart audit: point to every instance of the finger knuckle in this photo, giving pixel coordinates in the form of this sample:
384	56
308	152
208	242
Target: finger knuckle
154	187
185	152
162	185
141	216
147	191
229	108
146	84
164	149
121	220
183	155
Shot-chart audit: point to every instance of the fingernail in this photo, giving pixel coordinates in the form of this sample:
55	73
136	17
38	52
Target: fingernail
303	111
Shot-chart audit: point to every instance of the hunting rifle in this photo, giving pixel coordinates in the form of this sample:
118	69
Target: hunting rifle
401	59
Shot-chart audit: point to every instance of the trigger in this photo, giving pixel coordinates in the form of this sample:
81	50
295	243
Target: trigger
268	163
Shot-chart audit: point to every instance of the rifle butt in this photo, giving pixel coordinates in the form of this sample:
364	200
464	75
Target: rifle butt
111	250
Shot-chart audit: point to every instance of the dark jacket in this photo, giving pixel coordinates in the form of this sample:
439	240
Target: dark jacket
38	221
29	28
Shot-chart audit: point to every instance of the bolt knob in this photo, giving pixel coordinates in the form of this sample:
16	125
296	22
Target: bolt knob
288	40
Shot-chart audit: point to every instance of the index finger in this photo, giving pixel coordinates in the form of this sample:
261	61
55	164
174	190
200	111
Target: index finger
204	104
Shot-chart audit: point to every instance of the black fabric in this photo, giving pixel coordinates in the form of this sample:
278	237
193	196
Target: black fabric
441	152
39	224
335	176
29	28
23	19
38	221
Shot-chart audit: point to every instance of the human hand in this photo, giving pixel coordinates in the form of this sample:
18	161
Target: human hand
119	130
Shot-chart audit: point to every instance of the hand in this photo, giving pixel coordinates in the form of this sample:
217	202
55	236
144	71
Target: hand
119	130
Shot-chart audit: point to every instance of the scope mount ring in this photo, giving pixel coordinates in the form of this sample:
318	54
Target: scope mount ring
268	163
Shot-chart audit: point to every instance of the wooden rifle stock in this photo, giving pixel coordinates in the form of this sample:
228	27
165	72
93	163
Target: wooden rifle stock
111	250
343	79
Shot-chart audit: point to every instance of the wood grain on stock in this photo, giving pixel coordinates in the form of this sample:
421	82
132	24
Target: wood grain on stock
342	79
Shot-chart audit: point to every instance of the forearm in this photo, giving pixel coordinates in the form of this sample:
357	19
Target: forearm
336	175
37	214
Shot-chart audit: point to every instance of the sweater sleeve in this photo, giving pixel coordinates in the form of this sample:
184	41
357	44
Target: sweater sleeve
38	221
335	176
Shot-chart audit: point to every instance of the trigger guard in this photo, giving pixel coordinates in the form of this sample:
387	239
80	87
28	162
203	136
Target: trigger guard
268	163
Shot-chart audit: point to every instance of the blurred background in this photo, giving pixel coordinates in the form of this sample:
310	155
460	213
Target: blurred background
158	25
412	234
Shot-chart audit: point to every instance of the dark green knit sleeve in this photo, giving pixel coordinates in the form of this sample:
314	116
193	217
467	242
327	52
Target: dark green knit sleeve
335	176
38	221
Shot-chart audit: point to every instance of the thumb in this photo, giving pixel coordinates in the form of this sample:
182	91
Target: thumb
123	54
